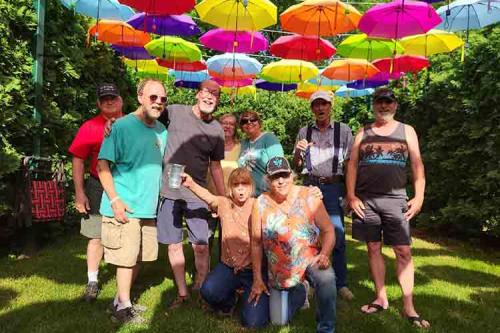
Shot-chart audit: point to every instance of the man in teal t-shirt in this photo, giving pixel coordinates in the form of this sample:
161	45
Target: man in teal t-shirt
130	169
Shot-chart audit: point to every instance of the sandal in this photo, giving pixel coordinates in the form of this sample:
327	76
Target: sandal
417	322
377	307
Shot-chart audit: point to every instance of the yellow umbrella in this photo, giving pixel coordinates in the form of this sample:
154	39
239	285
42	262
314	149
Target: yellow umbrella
289	71
432	42
147	68
350	69
320	18
308	86
238	15
246	90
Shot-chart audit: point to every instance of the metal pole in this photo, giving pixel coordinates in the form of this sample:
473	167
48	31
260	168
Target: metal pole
37	74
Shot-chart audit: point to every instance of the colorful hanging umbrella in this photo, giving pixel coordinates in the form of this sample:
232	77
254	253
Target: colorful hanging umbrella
307	86
306	92
187	84
404	64
362	47
181	25
118	33
234	83
100	9
182	65
364	84
234	41
170	47
289	71
385	76
238	15
350	69
233	66
432	42
321	80
348	92
308	48
320	18
161	7
132	52
247	90
398	19
147	66
271	86
189	76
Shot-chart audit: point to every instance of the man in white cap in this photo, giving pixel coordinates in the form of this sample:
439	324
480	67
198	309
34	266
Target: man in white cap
321	150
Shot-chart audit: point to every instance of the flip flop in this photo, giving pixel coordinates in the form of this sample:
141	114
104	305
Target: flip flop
417	321
377	307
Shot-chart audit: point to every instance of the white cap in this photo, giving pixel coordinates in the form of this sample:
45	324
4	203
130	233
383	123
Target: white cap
325	95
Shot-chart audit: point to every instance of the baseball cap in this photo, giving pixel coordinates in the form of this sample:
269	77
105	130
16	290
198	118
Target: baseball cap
277	165
384	93
325	95
107	89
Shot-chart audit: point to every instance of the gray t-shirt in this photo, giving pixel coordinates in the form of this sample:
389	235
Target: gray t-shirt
194	143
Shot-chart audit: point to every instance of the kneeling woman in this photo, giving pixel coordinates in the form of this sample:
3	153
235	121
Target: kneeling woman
292	226
235	271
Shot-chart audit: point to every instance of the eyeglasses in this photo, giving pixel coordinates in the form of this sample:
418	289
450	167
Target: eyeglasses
248	121
108	98
278	175
210	92
154	98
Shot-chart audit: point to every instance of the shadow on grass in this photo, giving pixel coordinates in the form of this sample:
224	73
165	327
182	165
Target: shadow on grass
6	296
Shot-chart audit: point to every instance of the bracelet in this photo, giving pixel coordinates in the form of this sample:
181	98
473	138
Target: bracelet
114	199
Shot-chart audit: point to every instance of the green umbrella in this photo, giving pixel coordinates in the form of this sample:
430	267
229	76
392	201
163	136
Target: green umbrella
360	46
173	48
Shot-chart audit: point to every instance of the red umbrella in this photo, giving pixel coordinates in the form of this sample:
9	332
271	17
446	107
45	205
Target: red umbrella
161	7
310	48
404	63
182	65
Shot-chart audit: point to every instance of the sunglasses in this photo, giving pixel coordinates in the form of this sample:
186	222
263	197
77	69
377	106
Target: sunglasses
278	175
248	121
154	98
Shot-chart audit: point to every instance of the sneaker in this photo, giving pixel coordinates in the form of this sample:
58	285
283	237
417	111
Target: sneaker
91	292
137	308
178	302
346	294
306	305
127	315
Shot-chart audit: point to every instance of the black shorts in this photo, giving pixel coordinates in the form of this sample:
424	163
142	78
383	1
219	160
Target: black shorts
384	219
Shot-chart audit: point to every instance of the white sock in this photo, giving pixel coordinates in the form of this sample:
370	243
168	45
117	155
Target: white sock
92	276
116	300
123	305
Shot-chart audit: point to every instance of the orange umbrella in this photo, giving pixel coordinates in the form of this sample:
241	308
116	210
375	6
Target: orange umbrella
349	69
118	33
320	18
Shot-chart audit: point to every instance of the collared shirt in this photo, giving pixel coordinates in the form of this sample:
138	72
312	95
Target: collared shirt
322	150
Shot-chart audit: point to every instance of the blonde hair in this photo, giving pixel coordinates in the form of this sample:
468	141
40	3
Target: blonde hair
142	84
240	176
236	136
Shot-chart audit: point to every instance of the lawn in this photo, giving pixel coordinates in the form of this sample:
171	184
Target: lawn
457	290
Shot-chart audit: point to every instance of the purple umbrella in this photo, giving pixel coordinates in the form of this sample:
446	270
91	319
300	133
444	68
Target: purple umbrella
182	25
234	41
363	84
132	52
263	84
187	84
398	19
384	76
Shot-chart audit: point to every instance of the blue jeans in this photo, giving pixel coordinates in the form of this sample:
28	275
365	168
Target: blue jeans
219	291
325	293
331	195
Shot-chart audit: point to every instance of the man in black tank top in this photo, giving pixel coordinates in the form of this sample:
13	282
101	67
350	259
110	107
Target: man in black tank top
376	193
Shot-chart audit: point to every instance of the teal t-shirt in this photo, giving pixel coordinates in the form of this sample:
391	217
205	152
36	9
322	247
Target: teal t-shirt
135	152
255	155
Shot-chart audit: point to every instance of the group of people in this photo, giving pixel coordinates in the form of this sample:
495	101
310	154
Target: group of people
274	235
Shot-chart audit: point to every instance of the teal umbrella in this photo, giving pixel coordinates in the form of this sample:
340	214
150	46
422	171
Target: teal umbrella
100	9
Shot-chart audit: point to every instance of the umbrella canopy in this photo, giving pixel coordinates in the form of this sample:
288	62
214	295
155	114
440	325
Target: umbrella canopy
385	76
468	14
271	86
364	84
348	92
238	15
432	42
187	84
362	47
147	68
234	83
132	52
118	33
182	25
308	48
307	91
320	18
398	19
170	47
307	86
246	90
289	71
233	66
234	41
161	7
101	9
321	80
350	69
182	65
189	76
404	64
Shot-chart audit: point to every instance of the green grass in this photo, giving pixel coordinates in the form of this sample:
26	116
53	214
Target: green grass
457	290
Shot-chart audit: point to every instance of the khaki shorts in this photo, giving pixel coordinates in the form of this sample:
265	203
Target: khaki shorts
125	244
90	226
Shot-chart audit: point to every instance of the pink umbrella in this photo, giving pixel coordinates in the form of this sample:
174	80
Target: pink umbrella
234	41
398	19
310	48
234	83
404	63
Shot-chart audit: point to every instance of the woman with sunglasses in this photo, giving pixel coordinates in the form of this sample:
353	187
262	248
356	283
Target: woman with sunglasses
257	149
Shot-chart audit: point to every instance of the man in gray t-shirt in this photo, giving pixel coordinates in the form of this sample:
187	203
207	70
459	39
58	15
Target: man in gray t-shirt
195	140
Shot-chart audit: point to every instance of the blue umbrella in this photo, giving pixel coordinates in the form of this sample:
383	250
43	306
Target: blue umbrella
187	84
100	9
271	86
132	52
181	25
348	92
198	76
233	65
321	80
363	84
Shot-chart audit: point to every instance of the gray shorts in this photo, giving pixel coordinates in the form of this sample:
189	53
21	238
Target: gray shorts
170	221
384	219
90	225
